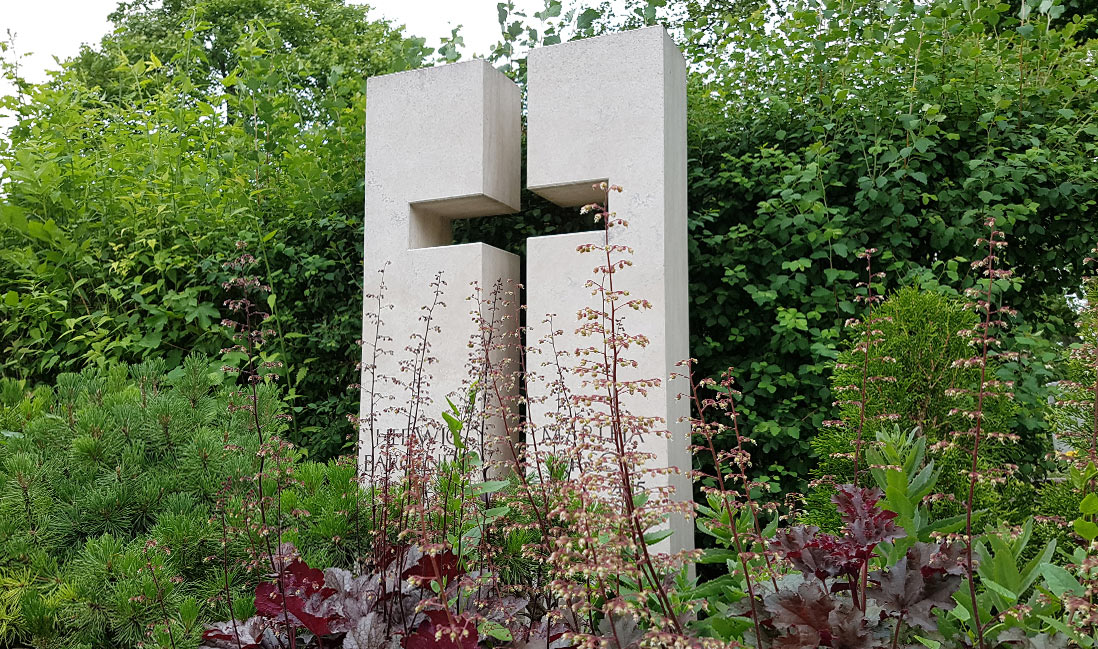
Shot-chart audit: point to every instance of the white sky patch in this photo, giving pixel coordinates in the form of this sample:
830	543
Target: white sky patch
434	19
49	28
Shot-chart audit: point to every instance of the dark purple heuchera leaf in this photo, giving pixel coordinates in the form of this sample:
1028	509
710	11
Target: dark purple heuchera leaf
923	580
481	594
855	503
371	632
1017	639
351	599
301	590
817	554
866	523
826	556
811	617
948	559
625	634
801	637
253	633
849	628
543	635
808	606
868	532
438	631
384	599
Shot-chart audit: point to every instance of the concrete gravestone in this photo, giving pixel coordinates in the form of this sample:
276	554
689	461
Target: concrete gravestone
444	143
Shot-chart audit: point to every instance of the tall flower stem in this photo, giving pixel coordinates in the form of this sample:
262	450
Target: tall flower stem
985	344
718	470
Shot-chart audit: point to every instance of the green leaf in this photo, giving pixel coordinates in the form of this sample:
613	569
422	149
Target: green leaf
494	630
1066	630
587	18
1002	591
961	612
455	426
652	538
1077	479
496	512
718	555
488	487
1089	505
151	340
1086	529
1060	581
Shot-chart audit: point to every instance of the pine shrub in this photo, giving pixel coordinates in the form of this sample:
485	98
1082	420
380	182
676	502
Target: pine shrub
911	369
114	476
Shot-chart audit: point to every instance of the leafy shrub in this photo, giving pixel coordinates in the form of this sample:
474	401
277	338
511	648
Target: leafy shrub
114	470
129	174
825	129
910	368
815	131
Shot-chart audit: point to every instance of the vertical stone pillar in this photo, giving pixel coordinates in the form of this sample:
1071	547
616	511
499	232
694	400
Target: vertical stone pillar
614	108
442	143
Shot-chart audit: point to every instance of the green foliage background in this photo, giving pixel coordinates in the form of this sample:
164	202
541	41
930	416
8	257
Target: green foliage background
816	130
910	373
105	461
131	174
889	126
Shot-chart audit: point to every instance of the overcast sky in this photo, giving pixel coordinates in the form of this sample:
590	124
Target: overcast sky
50	28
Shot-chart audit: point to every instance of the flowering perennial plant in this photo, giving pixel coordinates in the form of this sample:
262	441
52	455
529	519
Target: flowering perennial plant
486	530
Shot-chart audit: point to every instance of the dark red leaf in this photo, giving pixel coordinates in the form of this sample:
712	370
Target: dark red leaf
442	567
811	617
856	503
801	637
849	629
298	590
866	523
821	555
439	631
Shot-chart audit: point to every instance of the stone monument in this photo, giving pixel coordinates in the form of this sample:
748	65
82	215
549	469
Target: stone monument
613	108
444	143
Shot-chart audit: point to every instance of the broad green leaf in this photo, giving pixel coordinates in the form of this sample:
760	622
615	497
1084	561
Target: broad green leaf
1089	505
1060	581
1085	529
1002	591
652	538
488	487
587	18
